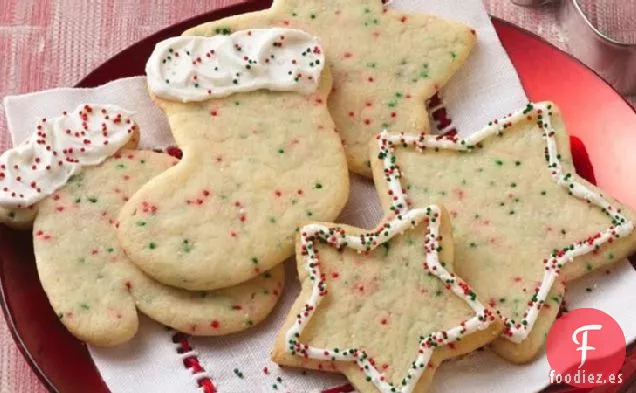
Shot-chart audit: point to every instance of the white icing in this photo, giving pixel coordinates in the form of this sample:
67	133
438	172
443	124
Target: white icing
57	150
193	68
390	228
518	331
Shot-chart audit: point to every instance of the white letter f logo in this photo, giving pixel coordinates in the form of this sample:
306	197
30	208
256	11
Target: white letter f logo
583	344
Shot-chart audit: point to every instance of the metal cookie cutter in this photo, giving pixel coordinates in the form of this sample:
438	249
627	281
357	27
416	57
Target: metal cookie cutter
614	60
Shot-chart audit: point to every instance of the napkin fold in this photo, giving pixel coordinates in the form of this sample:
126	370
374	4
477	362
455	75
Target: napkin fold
487	87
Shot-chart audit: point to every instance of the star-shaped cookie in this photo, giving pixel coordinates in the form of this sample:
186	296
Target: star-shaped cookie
523	219
385	64
382	307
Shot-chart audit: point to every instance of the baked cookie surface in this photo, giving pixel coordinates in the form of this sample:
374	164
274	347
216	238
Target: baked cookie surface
523	221
256	165
385	63
382	307
96	290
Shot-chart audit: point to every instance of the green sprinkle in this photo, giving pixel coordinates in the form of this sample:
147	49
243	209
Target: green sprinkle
224	31
281	151
110	249
254	260
499	162
438	293
85	306
92	199
318	185
141	223
187	247
517	163
386	247
152	245
309	213
543	192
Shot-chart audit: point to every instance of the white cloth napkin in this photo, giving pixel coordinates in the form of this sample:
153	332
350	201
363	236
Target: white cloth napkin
487	87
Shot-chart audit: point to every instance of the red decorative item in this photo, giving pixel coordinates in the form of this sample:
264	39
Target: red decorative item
602	124
192	362
582	160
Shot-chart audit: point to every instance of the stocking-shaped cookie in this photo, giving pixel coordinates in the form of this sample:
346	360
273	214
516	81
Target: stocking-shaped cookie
385	64
382	307
523	219
92	285
257	164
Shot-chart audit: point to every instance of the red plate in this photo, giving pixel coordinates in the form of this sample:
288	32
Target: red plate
594	113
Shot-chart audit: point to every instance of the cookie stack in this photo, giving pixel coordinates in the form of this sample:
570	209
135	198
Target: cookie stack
271	111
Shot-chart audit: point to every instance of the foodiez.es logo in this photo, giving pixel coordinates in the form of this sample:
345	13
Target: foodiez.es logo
586	348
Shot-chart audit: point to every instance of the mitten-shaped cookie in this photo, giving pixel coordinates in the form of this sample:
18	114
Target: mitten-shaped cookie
92	285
